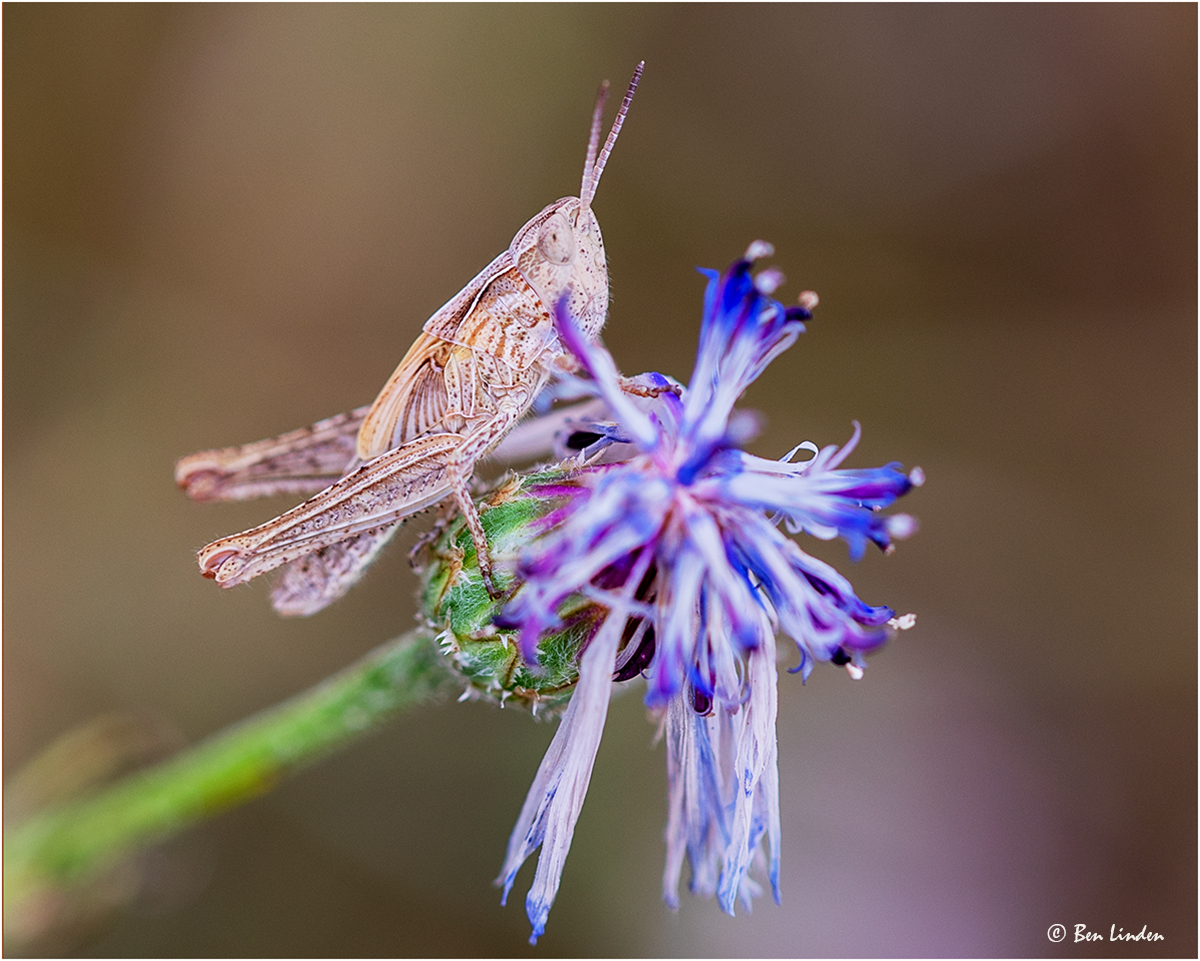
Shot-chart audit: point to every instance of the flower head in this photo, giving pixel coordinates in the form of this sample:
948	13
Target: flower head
680	546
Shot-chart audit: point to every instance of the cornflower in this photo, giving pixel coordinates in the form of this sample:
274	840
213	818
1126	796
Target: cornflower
681	546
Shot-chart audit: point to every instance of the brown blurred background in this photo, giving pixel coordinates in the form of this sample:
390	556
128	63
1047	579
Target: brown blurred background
222	222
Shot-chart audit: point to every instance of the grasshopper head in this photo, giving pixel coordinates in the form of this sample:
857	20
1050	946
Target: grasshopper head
561	251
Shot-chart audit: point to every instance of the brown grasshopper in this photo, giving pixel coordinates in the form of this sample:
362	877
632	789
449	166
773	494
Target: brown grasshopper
475	369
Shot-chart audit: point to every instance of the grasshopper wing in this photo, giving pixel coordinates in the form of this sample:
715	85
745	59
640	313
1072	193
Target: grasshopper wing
497	322
413	402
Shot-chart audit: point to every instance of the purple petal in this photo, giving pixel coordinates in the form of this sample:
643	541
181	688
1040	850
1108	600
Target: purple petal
599	363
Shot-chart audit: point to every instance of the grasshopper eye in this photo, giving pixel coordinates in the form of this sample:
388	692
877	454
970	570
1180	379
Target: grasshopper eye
556	242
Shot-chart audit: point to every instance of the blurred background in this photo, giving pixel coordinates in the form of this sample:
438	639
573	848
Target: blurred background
223	222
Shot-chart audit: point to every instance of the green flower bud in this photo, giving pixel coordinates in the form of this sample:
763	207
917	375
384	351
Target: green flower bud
460	611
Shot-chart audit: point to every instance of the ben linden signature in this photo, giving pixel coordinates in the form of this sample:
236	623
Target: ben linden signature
1058	932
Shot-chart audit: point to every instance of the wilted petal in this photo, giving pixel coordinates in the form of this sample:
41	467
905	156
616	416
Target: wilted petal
552	806
756	779
696	827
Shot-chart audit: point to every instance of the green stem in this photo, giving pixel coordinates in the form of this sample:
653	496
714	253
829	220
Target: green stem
70	844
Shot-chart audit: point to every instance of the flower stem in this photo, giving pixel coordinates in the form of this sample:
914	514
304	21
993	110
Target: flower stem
72	843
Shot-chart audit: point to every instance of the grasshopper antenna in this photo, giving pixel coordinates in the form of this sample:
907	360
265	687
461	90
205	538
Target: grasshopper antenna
589	165
591	175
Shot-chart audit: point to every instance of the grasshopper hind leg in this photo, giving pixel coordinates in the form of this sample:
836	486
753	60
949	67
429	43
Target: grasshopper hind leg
311	583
